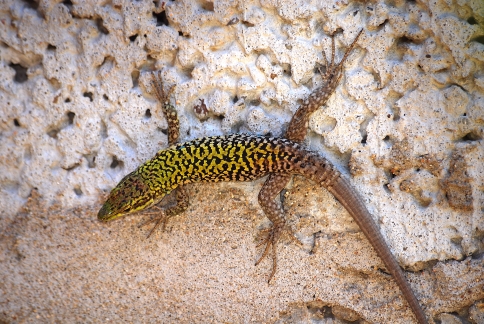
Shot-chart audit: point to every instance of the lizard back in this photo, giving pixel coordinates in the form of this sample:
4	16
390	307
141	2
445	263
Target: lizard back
237	157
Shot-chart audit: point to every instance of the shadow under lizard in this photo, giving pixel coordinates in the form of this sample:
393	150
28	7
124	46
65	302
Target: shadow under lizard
243	157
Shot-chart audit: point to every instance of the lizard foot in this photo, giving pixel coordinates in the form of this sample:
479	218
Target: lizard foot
333	70
160	219
271	239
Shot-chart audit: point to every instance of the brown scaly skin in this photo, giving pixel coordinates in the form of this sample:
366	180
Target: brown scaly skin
242	157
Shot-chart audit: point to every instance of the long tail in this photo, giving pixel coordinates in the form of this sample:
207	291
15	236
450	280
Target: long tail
353	203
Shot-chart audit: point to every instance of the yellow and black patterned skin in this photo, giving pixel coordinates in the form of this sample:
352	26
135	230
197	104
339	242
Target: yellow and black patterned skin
237	157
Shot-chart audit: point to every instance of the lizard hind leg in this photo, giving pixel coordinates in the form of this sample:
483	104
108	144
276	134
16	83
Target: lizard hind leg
271	188
334	71
168	109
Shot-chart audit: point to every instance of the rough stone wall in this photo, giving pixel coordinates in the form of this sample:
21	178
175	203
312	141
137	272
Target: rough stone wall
77	113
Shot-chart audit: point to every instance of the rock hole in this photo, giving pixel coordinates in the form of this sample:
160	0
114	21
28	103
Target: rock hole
135	78
208	6
382	25
479	39
161	19
163	130
78	191
108	62
55	83
133	38
88	95
386	188
233	21
471	137
116	163
67	100
104	130
338	30
147	114
247	24
404	40
105	97
327	312
391	174
72	167
31	4
235	99
201	109
457	241
16	123
477	256
53	133
67	3
363	127
286	69
472	21
388	141
70	117
100	26
425	202
91	160
20	73
51	47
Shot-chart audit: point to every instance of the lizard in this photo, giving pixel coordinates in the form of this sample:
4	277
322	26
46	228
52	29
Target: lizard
244	157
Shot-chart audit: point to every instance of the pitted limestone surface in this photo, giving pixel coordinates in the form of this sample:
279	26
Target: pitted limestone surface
77	114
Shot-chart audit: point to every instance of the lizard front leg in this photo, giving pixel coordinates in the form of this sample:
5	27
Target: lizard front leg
169	110
163	215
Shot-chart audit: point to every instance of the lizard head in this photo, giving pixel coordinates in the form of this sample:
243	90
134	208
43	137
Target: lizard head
132	194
